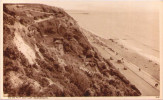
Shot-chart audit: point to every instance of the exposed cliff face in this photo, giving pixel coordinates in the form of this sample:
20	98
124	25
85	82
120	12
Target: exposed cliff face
47	54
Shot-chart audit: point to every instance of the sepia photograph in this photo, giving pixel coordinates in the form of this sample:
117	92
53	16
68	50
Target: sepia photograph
81	48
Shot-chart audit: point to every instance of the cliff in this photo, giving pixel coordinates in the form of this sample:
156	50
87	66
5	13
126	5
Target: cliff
47	54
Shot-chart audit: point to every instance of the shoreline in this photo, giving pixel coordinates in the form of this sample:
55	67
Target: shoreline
155	59
131	64
143	53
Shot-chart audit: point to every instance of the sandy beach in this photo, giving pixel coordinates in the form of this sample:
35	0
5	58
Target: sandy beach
138	69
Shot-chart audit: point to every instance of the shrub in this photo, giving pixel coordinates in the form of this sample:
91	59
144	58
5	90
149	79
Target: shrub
52	90
10	53
80	80
137	92
112	82
101	66
89	53
8	20
119	75
27	90
25	21
66	46
89	92
62	29
44	82
35	18
5	9
50	30
109	63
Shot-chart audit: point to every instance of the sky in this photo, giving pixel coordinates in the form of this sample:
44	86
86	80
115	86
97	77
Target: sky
117	5
107	5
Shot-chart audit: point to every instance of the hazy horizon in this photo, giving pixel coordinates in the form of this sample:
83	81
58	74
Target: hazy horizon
107	6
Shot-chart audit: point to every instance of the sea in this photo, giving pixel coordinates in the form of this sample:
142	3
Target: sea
138	30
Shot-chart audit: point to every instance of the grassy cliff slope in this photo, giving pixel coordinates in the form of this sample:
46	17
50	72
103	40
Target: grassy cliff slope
46	54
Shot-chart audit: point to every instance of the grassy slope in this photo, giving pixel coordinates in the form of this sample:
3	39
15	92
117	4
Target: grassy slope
69	65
